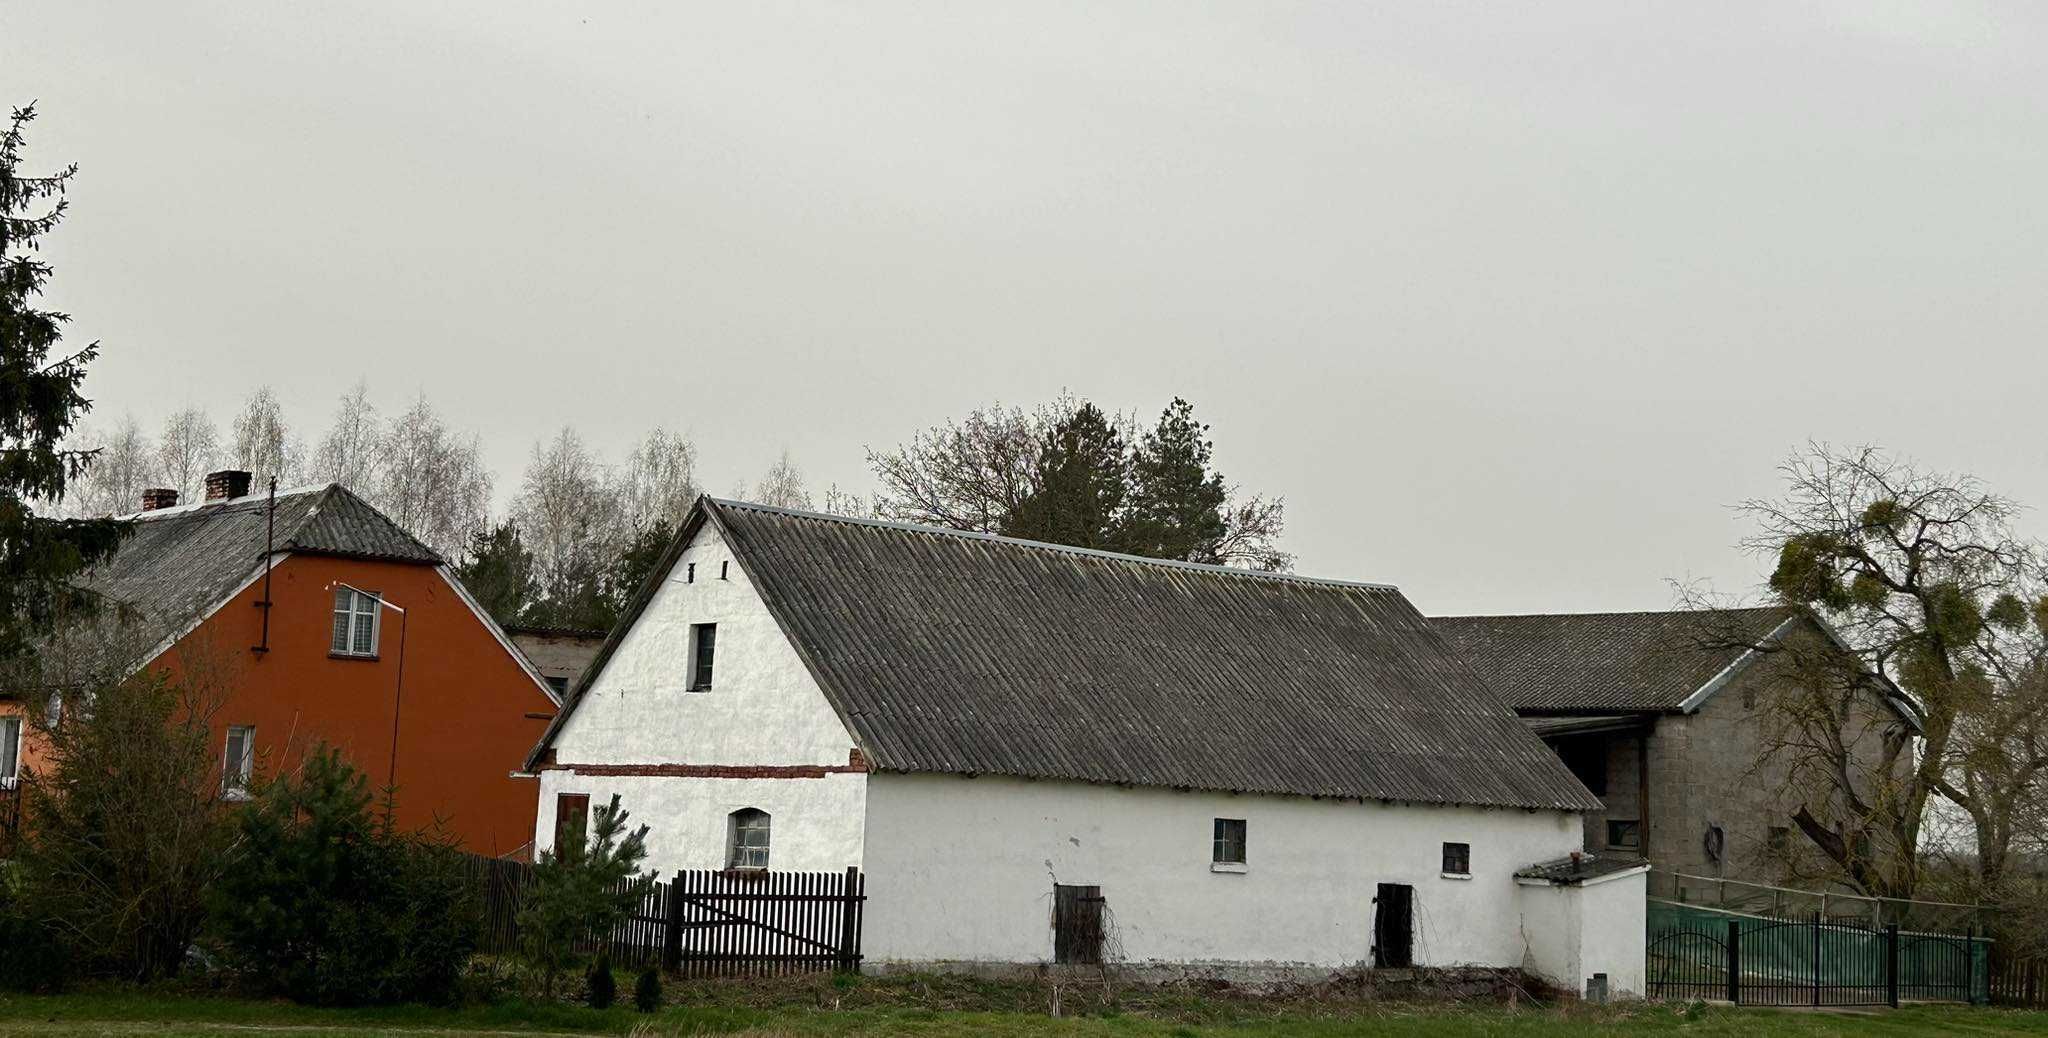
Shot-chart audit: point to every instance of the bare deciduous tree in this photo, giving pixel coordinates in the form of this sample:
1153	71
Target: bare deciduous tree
352	451
186	451
782	486
568	521
1925	577
432	481
264	445
965	475
658	483
124	467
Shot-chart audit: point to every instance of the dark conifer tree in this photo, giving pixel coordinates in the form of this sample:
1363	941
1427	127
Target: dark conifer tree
40	557
1081	482
1176	502
499	572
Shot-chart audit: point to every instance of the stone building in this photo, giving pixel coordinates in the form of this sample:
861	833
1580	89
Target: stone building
1665	716
559	653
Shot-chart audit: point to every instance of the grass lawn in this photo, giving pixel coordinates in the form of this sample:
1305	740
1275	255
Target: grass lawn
127	1012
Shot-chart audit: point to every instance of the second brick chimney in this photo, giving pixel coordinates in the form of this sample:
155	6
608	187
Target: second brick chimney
227	483
159	497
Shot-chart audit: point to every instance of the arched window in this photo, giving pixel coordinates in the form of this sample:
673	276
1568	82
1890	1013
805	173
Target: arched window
747	839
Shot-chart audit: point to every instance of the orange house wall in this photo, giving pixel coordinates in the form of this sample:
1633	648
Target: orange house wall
462	723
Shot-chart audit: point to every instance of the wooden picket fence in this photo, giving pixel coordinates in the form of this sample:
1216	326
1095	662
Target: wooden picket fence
706	922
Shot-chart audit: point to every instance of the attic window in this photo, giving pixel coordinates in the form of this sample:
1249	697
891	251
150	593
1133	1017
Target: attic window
355	622
690	573
703	646
721	570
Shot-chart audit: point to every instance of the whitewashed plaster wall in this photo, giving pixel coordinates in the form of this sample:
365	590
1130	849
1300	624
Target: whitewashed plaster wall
814	823
962	870
1576	930
763	710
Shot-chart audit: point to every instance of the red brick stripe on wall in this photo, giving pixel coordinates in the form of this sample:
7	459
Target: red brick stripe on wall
856	762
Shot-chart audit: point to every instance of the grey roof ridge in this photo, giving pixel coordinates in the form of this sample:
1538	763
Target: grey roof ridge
193	507
1615	612
1066	549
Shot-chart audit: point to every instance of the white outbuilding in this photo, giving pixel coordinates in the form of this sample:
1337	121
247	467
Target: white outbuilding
1042	754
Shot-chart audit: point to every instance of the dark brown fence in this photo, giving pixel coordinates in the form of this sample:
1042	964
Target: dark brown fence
2022	982
706	923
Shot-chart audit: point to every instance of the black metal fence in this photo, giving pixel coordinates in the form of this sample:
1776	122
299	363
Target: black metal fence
1762	961
706	922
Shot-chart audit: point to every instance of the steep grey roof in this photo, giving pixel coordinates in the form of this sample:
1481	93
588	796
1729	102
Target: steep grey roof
972	654
181	561
1606	662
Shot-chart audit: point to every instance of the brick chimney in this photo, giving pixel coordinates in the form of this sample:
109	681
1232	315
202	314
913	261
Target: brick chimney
227	483
159	497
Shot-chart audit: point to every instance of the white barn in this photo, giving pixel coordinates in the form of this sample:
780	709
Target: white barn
1259	774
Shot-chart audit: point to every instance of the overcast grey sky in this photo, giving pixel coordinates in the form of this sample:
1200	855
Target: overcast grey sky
1510	301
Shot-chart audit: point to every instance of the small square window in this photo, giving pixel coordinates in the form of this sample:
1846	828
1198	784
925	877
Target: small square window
1458	859
238	762
1227	846
1624	834
703	647
558	684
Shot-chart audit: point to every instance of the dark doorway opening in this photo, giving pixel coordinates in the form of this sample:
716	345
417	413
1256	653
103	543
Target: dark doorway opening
1393	927
1076	924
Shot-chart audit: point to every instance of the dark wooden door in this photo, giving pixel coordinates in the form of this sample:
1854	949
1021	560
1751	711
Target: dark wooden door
1393	927
1076	924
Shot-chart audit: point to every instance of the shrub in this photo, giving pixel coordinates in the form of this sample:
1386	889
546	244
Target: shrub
34	956
581	890
604	990
647	990
331	905
122	831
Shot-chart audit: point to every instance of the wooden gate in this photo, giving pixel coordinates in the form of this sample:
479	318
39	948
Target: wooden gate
705	923
744	922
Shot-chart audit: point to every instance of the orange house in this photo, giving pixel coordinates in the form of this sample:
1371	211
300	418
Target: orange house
322	620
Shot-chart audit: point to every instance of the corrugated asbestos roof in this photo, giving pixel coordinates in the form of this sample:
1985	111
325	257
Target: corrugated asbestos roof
970	654
179	562
1606	662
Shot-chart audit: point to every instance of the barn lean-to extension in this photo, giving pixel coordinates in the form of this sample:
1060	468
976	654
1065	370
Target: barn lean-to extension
1039	753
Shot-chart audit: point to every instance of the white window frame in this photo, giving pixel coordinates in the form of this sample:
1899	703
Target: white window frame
355	612
732	838
236	775
10	749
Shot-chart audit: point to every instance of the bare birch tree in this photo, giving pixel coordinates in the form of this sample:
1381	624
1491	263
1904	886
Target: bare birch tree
352	451
571	526
186	451
264	445
782	486
431	480
125	466
658	483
